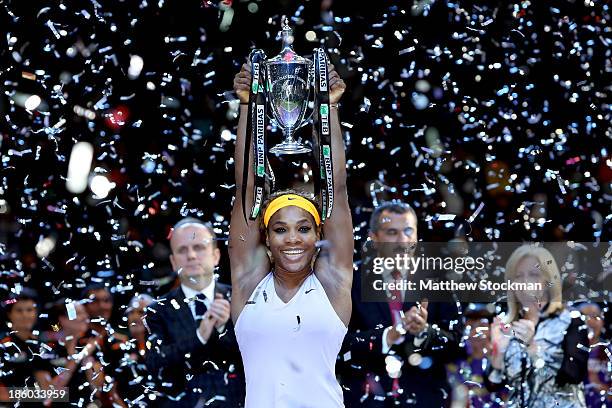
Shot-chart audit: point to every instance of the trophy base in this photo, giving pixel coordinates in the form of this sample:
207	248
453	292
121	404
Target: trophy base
290	148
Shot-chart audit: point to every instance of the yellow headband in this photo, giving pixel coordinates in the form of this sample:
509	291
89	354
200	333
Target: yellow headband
291	199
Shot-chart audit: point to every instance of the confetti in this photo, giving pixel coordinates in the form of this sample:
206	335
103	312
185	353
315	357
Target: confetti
120	120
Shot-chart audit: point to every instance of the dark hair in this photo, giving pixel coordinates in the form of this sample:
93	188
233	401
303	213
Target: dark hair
57	310
395	206
276	194
191	220
92	287
24	294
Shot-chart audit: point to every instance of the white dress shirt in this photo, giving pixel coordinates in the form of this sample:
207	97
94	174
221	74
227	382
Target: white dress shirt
190	295
386	347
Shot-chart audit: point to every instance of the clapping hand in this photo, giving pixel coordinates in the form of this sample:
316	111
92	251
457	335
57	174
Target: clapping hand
524	328
415	321
220	310
499	342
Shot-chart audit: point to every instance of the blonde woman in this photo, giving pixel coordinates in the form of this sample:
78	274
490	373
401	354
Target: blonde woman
540	352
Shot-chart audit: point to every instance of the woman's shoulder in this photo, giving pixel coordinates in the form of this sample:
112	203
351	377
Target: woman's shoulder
569	325
553	327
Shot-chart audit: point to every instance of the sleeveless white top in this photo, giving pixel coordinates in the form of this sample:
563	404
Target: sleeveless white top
289	349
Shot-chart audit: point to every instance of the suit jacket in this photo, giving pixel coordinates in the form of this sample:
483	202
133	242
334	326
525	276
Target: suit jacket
186	371
424	383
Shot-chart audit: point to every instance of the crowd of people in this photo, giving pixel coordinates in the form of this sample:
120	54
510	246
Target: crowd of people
182	350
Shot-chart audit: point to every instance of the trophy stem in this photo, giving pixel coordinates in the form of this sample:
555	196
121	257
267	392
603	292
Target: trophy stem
289	145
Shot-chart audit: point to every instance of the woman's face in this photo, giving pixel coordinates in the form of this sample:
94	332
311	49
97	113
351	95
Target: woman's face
292	235
23	315
594	321
528	270
135	323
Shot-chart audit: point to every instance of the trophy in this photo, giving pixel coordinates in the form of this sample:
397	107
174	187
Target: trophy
288	92
282	87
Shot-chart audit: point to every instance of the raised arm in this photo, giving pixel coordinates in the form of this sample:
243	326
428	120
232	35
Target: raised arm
248	258
334	267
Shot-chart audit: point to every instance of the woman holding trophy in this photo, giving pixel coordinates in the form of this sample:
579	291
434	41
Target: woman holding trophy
291	271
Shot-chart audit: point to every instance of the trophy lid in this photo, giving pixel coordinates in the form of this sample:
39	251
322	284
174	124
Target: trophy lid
287	53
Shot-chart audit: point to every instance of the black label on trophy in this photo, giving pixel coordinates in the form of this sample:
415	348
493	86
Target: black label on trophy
327	159
257	203
261	112
255	76
322	61
324	112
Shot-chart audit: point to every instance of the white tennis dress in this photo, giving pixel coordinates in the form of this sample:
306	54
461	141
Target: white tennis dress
289	349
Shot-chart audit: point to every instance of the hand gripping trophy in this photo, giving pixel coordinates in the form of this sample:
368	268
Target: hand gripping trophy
281	90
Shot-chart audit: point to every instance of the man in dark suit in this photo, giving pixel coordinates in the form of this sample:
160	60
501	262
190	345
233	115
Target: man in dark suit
395	351
192	352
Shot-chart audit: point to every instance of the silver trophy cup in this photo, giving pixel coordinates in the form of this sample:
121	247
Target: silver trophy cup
288	92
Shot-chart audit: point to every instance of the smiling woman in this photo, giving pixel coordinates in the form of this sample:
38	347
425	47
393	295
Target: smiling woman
291	227
291	300
541	353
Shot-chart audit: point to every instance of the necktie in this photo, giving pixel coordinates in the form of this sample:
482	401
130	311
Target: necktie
200	307
395	305
395	302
